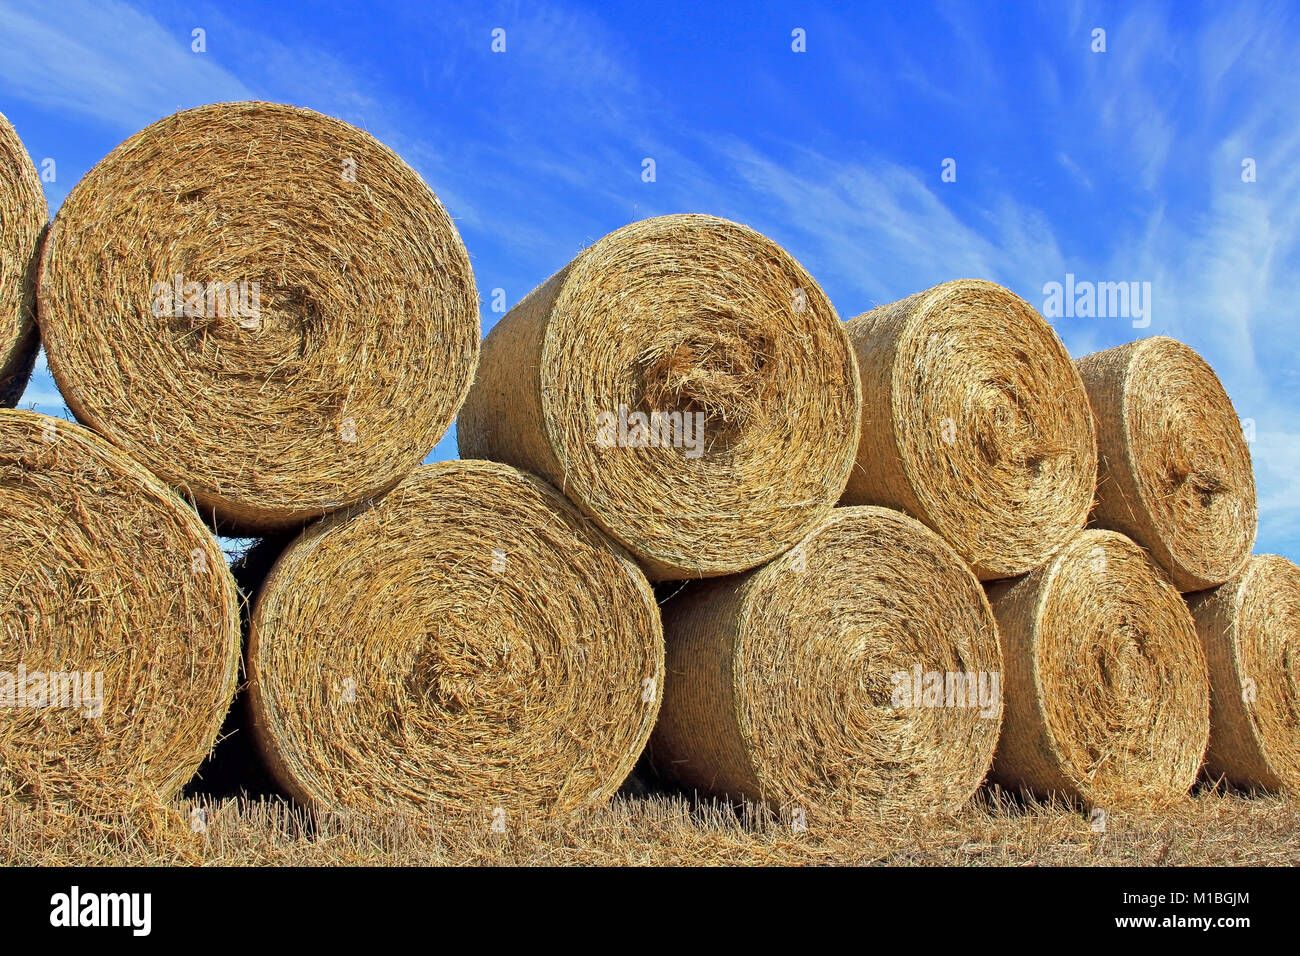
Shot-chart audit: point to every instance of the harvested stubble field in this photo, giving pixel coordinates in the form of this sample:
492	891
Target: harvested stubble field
1210	829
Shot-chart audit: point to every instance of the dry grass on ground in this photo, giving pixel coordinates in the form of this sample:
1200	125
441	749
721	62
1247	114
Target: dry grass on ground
1210	830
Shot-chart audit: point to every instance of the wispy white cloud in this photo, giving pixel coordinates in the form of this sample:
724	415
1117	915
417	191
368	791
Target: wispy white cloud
105	60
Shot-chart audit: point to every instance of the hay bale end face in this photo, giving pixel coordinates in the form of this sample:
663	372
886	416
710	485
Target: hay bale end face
119	632
23	215
469	644
1175	472
688	386
1250	628
1107	696
856	676
974	421
265	306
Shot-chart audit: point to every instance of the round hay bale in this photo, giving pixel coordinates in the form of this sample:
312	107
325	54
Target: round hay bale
1175	473
1250	629
810	683
1106	691
265	306
468	644
975	422
119	629
23	215
686	383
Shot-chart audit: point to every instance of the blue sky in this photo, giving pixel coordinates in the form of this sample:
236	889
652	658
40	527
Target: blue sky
1123	165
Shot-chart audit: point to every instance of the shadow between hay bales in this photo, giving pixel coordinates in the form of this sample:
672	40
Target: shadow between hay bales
236	767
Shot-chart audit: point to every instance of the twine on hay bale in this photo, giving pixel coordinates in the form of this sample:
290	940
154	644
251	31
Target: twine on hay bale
1250	629
688	316
1106	691
796	683
468	644
1175	472
105	572
23	216
332	356
975	422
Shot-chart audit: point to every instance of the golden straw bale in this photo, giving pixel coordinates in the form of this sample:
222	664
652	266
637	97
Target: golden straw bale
688	320
263	305
974	421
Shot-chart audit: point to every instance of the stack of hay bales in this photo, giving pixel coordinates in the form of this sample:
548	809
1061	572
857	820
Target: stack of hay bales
277	322
977	423
271	313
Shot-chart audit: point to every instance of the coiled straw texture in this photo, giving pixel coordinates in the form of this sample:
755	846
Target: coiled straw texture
1106	690
1250	628
854	677
686	320
469	644
23	214
975	422
263	305
119	629
1175	472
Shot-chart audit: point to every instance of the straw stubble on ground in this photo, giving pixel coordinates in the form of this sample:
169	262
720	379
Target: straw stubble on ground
1208	830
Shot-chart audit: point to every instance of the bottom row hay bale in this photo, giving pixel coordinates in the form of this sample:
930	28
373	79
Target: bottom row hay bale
826	682
1250	628
467	644
1107	695
119	625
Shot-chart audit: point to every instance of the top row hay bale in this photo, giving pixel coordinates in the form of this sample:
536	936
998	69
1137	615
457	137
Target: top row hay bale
974	421
1175	472
265	306
707	323
23	214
